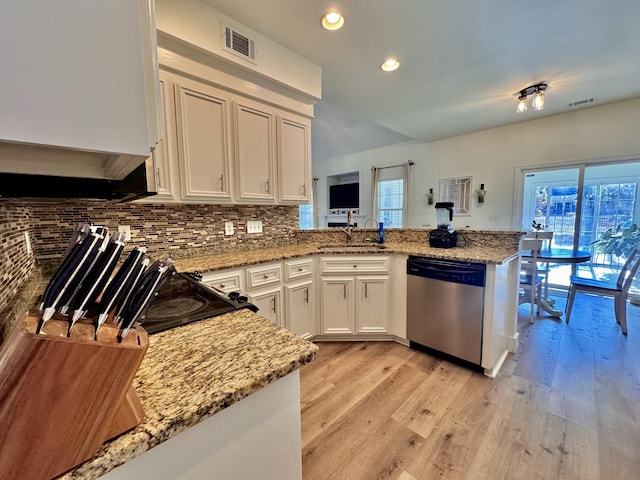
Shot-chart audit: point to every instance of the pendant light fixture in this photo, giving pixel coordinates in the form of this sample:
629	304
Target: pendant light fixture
537	102
522	104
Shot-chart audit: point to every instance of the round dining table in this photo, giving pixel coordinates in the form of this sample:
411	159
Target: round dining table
563	256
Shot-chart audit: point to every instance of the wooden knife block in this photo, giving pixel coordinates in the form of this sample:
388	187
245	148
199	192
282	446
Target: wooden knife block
62	398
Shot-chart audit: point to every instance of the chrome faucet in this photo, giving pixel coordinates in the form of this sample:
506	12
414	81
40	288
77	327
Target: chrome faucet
375	227
349	233
375	223
349	229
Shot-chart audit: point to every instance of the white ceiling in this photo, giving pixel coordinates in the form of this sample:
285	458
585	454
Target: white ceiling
462	62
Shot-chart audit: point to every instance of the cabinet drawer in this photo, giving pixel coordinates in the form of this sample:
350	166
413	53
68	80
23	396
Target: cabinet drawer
264	275
297	269
227	281
357	264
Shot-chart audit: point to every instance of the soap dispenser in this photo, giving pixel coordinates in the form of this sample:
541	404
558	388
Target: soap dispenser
381	232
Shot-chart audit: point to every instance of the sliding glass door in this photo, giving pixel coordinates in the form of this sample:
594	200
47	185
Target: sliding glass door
550	200
579	205
610	204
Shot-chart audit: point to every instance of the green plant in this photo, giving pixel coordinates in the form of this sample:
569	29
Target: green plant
618	241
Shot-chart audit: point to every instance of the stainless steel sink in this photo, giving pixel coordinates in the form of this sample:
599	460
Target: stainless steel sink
350	247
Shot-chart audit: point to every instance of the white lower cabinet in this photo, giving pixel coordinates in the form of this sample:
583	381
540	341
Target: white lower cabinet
337	305
372	304
269	302
264	288
354	295
226	281
298	299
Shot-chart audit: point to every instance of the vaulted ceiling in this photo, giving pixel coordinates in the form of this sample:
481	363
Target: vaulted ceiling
461	62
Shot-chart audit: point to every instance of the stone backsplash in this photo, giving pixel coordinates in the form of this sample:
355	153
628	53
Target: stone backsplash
166	230
16	264
173	231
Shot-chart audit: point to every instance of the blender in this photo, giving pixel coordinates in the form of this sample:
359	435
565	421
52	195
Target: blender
444	236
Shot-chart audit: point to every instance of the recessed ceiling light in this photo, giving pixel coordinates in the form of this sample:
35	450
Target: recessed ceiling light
332	20
390	65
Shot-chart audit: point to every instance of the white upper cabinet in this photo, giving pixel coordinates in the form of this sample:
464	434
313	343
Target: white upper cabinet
166	174
254	152
294	159
202	114
80	76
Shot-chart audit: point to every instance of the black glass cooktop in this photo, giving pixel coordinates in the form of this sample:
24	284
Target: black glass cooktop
183	300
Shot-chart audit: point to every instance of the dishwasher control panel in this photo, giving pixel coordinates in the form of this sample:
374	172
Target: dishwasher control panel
467	273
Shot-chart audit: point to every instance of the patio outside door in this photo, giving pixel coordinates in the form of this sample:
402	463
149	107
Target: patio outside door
595	198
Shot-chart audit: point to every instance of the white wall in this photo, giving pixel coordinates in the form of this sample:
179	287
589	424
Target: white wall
493	156
200	25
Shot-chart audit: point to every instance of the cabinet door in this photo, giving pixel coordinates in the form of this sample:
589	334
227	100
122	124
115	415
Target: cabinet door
372	305
337	305
203	147
299	316
165	161
294	159
254	153
270	304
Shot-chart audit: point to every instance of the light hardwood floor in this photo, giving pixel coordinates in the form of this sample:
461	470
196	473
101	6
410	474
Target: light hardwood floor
566	405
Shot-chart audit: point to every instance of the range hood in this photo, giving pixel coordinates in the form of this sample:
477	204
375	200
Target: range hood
139	183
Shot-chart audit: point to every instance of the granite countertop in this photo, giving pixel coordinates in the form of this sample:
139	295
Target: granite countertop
191	372
488	254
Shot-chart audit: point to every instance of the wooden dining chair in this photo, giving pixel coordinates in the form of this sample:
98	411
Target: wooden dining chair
543	268
530	281
619	289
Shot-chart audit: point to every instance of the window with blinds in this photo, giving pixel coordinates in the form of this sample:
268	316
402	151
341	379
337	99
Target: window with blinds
390	202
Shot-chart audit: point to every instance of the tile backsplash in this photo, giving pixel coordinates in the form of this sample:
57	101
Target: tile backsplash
174	231
166	230
16	263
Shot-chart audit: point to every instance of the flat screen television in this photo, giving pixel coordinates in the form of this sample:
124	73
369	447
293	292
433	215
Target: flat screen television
346	195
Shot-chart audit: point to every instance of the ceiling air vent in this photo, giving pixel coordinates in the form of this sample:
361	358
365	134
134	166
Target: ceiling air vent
579	103
239	44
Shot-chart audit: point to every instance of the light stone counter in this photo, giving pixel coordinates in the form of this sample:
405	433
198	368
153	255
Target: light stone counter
190	373
488	254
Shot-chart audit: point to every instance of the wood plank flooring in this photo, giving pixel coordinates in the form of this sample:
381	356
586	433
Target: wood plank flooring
565	406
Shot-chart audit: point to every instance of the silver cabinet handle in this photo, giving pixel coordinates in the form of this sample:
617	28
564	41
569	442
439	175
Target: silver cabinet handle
222	285
355	265
365	290
222	181
303	187
158	177
266	276
344	294
306	295
299	269
273	304
267	185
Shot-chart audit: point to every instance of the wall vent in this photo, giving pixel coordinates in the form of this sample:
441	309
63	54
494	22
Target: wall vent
239	44
584	101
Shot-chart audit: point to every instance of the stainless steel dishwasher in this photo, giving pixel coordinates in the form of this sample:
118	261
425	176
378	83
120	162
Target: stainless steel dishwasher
445	303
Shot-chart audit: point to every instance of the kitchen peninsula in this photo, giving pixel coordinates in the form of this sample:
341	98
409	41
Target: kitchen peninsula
497	249
228	385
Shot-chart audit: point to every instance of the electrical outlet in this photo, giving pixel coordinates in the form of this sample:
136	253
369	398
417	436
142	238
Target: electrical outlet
27	242
126	229
254	226
228	228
